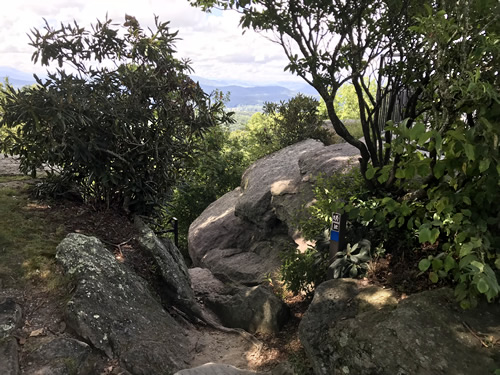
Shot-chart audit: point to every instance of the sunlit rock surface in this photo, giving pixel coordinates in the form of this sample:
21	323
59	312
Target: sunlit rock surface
240	236
353	329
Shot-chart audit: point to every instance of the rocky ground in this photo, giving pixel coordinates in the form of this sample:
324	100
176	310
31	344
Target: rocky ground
392	322
39	315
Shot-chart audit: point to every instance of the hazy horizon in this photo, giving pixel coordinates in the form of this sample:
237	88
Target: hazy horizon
213	42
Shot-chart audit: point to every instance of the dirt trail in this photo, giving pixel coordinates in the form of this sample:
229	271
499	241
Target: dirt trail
8	165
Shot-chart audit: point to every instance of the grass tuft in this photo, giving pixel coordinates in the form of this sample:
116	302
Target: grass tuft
28	240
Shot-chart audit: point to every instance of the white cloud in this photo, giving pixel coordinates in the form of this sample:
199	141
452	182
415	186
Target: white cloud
213	42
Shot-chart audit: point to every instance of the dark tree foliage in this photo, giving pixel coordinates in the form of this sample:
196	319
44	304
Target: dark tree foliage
296	120
120	121
430	152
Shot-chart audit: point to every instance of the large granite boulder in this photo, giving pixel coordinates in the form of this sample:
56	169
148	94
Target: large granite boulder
231	247
112	309
283	178
254	309
240	236
352	329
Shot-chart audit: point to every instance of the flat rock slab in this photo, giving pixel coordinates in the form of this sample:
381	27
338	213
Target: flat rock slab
352	329
215	369
9	358
113	309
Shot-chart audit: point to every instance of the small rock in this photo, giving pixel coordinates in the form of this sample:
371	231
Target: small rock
10	317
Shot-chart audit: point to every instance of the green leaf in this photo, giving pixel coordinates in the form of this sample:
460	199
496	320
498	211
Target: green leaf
466	249
461	291
423	169
400	173
392	223
424	235
409	225
437	264
497	263
484	165
478	265
424	138
449	263
410	171
465	261
469	151
416	131
482	286
433	277
466	200
465	304
370	172
439	169
424	265
434	235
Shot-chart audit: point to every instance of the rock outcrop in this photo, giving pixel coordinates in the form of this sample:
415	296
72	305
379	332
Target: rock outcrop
175	288
254	309
239	237
350	329
112	309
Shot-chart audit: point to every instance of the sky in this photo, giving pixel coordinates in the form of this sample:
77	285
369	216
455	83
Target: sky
213	42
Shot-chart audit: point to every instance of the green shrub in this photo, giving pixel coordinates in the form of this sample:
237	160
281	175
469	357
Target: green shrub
281	125
122	131
351	262
302	272
440	190
214	169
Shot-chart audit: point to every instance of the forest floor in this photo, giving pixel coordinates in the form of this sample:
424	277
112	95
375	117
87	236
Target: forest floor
29	233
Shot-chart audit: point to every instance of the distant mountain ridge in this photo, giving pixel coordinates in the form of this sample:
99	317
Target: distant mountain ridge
16	77
241	93
244	96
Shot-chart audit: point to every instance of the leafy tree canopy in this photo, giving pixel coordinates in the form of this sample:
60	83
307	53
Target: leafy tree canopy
431	131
